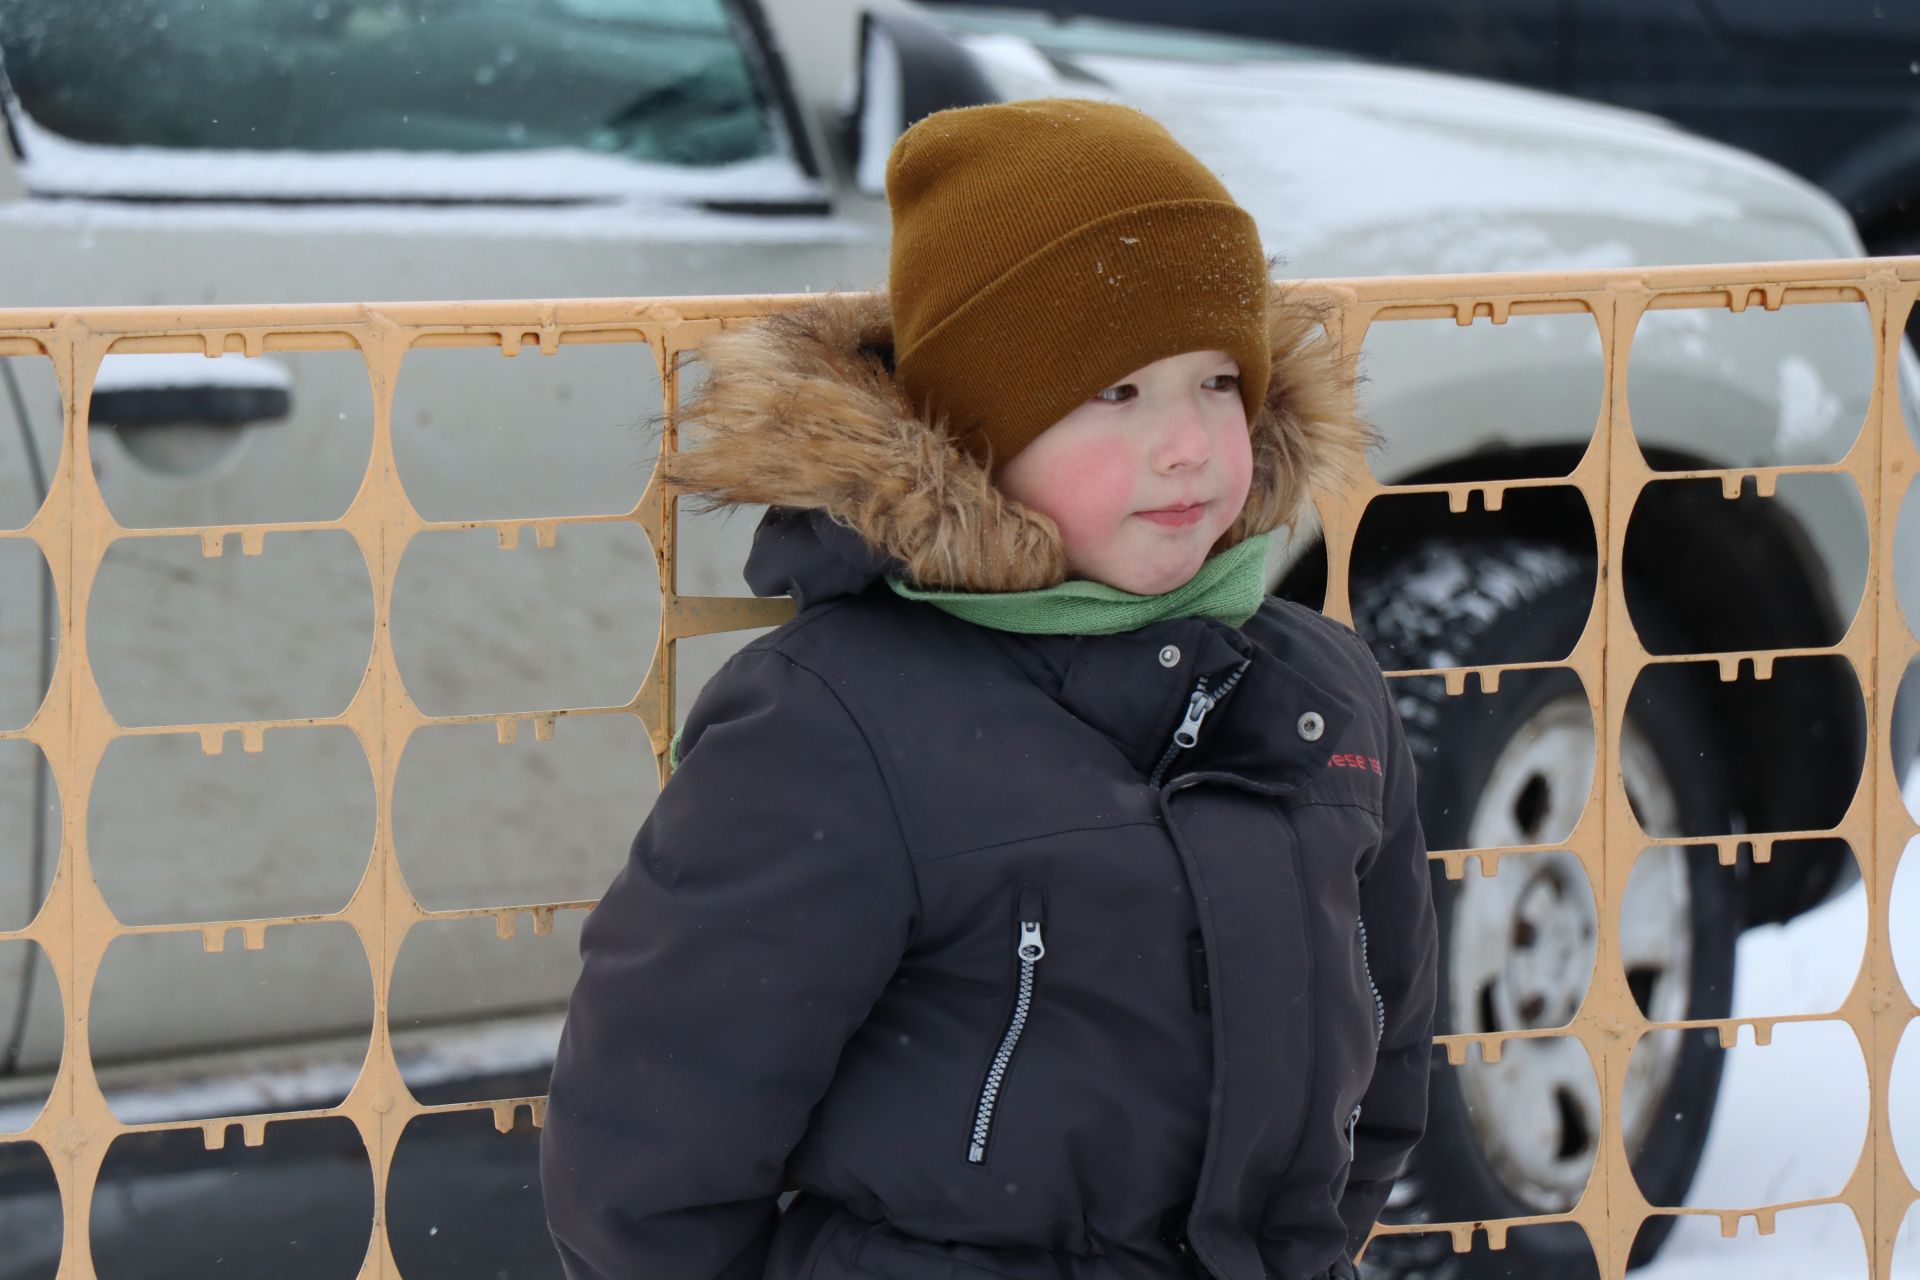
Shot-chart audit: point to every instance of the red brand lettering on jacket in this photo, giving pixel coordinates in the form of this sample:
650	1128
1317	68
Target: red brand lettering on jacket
1350	760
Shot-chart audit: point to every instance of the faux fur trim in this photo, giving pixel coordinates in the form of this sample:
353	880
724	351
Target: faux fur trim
800	409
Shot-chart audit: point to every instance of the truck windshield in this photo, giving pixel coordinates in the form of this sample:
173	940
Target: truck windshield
662	81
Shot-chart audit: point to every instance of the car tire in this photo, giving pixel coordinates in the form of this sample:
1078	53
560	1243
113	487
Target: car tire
1492	600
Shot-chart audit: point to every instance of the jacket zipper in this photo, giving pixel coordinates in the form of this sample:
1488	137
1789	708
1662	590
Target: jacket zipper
1028	949
1379	1005
1199	702
1379	1021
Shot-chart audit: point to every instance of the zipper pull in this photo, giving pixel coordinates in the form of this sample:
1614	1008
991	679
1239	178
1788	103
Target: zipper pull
1197	707
1353	1120
1033	911
1199	702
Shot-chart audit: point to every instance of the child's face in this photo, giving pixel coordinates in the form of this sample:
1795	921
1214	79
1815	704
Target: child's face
1171	434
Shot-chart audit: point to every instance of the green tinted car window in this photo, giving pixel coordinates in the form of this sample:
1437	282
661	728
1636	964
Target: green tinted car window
665	81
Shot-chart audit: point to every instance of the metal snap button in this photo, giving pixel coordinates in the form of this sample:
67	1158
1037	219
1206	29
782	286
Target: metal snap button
1311	726
1170	656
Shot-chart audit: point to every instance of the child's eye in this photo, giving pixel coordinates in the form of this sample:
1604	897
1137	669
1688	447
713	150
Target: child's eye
1126	387
1232	380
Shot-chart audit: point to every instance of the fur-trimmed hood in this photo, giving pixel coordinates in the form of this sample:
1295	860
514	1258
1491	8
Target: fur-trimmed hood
800	410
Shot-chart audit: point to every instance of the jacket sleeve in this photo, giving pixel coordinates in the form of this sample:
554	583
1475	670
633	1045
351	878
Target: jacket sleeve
762	910
1396	901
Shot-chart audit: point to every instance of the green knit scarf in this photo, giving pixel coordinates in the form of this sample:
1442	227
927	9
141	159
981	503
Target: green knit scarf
1229	587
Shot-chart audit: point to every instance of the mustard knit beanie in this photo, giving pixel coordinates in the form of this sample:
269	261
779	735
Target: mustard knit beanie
1044	249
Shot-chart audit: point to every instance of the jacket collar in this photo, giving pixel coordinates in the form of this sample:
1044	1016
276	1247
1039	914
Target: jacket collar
800	412
1120	686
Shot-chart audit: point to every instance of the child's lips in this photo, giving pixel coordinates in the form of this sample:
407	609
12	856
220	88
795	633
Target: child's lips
1175	517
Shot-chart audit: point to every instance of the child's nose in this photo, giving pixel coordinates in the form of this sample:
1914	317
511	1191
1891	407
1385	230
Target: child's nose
1184	441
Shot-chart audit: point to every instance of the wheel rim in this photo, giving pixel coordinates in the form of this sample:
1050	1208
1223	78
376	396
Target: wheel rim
1523	944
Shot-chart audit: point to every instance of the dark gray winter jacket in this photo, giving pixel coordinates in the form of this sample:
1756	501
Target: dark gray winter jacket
943	926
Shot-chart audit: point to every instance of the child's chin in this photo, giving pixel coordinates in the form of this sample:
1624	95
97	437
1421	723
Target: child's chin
1158	579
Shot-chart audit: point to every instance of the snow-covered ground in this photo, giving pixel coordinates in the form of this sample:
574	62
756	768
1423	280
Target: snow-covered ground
1792	1117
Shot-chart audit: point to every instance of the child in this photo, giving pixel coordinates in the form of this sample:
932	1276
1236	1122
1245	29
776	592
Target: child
1044	900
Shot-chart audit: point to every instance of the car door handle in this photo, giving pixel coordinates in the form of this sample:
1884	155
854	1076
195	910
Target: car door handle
169	388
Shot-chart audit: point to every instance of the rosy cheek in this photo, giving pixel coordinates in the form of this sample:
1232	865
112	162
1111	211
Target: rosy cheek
1237	459
1090	490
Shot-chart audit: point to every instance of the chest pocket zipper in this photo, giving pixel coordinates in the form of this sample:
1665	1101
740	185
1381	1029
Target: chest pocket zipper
1029	947
1379	1005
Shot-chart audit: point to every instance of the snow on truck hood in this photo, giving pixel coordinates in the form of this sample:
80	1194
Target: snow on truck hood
1356	168
53	165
